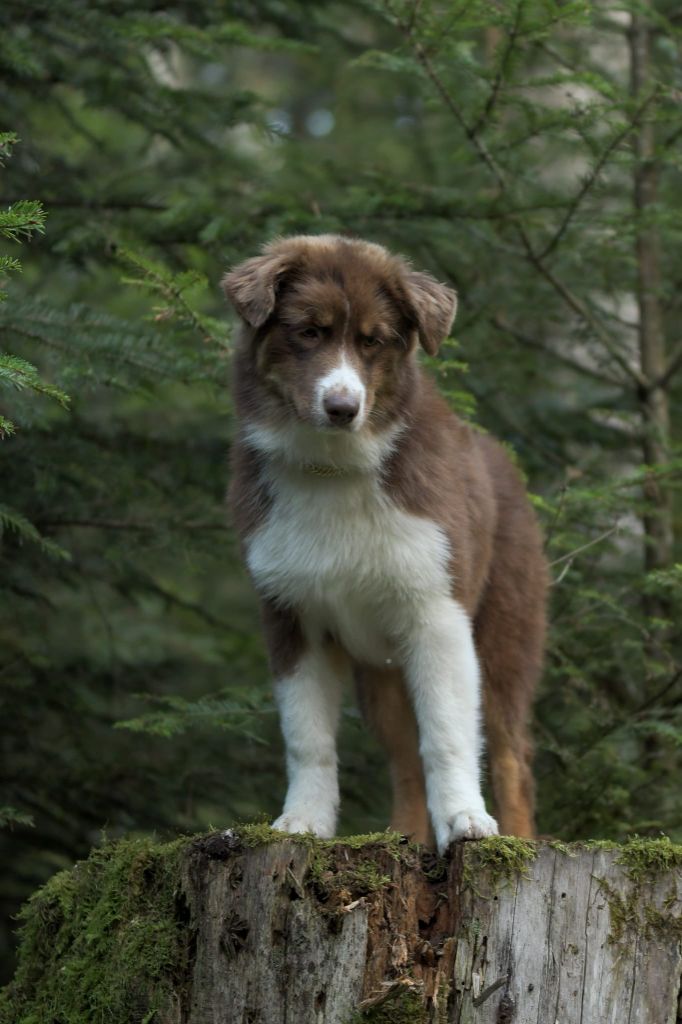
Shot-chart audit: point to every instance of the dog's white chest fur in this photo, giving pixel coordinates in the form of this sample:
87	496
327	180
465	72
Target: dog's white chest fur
348	560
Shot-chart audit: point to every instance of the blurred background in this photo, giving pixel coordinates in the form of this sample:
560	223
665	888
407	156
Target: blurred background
526	152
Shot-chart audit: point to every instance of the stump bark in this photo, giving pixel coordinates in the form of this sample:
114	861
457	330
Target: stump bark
501	932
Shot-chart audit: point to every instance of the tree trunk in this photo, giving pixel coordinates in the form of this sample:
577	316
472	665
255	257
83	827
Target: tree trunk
289	931
658	521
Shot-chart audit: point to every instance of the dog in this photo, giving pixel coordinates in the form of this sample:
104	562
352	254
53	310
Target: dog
388	541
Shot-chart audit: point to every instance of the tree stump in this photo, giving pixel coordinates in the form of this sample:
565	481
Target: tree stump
248	927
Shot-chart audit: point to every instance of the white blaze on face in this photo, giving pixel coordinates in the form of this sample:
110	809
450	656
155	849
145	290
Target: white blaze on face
342	380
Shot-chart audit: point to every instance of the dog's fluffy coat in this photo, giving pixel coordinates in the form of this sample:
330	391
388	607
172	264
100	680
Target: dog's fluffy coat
388	541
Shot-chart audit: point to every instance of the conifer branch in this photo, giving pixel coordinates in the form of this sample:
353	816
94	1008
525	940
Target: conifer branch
491	102
135	525
582	311
674	364
14	520
593	176
624	720
583	547
574	364
474	138
96	204
535	258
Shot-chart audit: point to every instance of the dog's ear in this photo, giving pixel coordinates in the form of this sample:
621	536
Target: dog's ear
433	307
252	286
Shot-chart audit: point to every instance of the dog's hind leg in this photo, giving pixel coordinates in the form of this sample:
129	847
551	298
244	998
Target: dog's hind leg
386	706
510	632
510	755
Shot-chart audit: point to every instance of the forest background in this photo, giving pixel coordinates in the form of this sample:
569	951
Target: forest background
527	152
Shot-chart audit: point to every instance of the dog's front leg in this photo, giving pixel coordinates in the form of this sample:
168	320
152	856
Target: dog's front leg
444	681
309	699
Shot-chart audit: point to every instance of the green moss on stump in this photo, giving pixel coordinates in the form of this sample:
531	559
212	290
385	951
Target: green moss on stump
500	858
406	1007
332	883
254	834
329	877
630	914
334	878
103	941
257	833
645	858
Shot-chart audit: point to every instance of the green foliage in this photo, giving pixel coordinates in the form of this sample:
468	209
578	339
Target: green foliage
20	220
12	520
179	293
176	715
19	374
449	371
496	147
11	816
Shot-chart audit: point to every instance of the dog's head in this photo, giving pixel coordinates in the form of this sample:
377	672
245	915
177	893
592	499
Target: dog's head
332	323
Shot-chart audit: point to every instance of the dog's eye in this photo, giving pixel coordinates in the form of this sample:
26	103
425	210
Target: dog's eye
367	342
309	333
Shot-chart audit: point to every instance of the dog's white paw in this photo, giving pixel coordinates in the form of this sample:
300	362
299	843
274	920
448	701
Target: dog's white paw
293	822
466	824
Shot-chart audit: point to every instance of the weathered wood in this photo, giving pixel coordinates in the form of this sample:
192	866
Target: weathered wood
570	936
574	941
288	931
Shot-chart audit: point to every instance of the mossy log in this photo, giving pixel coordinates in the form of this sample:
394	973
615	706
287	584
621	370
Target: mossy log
248	927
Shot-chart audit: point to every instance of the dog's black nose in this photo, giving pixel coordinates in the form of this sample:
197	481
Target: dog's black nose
341	408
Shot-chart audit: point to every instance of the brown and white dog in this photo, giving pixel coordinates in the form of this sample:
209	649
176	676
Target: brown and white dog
388	541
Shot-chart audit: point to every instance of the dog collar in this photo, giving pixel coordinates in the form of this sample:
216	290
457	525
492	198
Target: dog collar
319	469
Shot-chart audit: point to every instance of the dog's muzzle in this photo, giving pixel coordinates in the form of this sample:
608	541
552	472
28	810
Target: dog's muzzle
341	408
